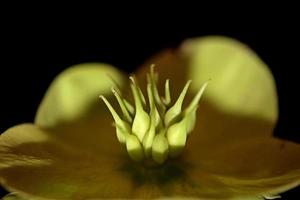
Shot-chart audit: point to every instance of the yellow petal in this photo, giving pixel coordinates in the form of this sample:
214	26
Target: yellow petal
253	158
74	93
241	82
37	163
255	167
215	128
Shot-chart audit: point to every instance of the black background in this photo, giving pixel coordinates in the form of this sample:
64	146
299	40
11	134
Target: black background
34	51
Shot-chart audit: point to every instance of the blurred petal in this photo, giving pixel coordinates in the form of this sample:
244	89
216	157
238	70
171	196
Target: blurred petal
215	128
255	158
263	164
35	163
241	82
257	166
74	93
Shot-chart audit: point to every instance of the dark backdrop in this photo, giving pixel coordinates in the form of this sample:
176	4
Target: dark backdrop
33	53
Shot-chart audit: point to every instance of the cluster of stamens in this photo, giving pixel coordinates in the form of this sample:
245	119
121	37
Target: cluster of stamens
159	131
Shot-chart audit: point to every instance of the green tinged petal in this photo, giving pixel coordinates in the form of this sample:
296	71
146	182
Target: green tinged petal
55	169
73	94
241	81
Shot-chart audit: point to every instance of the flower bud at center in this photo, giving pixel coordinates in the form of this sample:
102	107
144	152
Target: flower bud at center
158	131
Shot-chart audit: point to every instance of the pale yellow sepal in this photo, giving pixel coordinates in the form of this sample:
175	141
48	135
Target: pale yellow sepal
74	93
241	81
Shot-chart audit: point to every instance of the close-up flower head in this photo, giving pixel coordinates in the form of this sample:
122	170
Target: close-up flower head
193	122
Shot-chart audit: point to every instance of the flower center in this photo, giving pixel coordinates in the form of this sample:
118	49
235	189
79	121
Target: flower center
156	129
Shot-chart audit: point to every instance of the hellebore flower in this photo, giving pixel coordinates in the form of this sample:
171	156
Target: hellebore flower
72	152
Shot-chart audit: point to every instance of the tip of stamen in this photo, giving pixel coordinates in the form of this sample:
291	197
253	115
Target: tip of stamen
152	67
132	79
113	90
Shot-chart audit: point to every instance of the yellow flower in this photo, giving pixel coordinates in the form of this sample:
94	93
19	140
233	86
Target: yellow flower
72	152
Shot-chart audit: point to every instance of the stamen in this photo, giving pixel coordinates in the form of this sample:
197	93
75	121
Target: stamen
141	120
191	120
167	99
122	127
162	132
157	98
190	111
134	148
129	107
134	81
160	148
176	136
197	98
148	139
175	110
122	106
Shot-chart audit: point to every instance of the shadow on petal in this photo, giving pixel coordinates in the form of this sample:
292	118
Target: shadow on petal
66	172
215	128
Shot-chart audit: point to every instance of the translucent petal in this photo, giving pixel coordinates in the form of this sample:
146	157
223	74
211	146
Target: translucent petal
36	163
241	81
265	166
53	168
74	93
